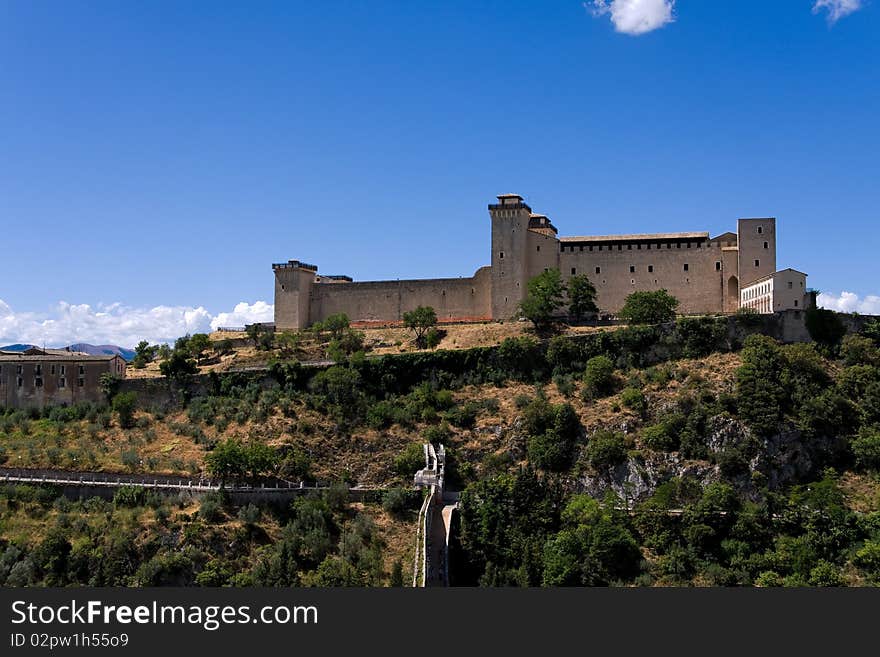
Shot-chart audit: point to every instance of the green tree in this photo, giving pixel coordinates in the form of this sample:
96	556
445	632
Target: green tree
178	365
544	298
649	307
288	343
825	327
581	297
599	379
144	353
198	345
124	405
606	449
420	321
228	460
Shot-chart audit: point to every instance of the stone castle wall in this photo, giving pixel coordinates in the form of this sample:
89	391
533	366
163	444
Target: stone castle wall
377	301
704	274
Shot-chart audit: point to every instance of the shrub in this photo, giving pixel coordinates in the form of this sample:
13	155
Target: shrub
662	437
250	514
464	416
124	404
410	460
211	508
635	400
399	500
599	376
606	449
859	350
866	448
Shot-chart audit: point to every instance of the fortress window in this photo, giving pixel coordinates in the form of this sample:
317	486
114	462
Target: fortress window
790	285
717	265
61	382
20	382
62	370
632	269
539	247
632	281
38	369
650	269
53	368
598	270
574	271
38	382
757	263
795	303
18	369
686	267
501	256
82	369
760	230
282	287
766	245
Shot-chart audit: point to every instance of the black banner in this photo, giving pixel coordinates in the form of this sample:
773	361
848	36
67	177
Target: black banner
439	621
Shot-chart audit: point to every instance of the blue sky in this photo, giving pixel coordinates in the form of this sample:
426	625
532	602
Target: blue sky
157	157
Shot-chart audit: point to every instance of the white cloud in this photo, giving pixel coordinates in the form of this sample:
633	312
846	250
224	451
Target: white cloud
837	9
849	302
634	17
245	313
119	324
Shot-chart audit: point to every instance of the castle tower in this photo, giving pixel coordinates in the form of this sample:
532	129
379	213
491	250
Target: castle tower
293	291
510	225
757	249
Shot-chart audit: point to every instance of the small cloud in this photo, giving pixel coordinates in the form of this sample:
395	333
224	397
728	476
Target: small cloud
849	302
837	9
634	17
118	324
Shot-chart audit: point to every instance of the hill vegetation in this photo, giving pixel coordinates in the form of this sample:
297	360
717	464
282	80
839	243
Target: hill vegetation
697	451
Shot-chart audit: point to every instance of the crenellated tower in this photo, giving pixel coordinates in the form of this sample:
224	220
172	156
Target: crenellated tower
510	225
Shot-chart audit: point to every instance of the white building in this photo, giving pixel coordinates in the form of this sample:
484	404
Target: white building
784	290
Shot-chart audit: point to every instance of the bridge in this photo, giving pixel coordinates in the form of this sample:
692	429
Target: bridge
431	567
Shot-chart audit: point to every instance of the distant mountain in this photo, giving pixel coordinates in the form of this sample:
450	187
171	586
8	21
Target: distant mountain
103	350
94	350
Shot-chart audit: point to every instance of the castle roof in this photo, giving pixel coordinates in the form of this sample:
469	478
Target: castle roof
636	237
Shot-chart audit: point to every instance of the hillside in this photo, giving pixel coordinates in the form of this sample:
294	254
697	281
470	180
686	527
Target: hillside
643	455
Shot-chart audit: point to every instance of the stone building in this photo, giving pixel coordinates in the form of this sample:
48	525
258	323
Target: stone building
48	377
706	274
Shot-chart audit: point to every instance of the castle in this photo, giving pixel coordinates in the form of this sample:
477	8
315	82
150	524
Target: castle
708	275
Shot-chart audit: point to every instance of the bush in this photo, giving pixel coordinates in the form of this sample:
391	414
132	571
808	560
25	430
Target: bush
606	449
635	400
399	500
211	508
866	448
599	377
124	404
410	460
664	437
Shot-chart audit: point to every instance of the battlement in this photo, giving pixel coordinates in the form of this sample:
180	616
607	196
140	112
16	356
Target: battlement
294	264
510	202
